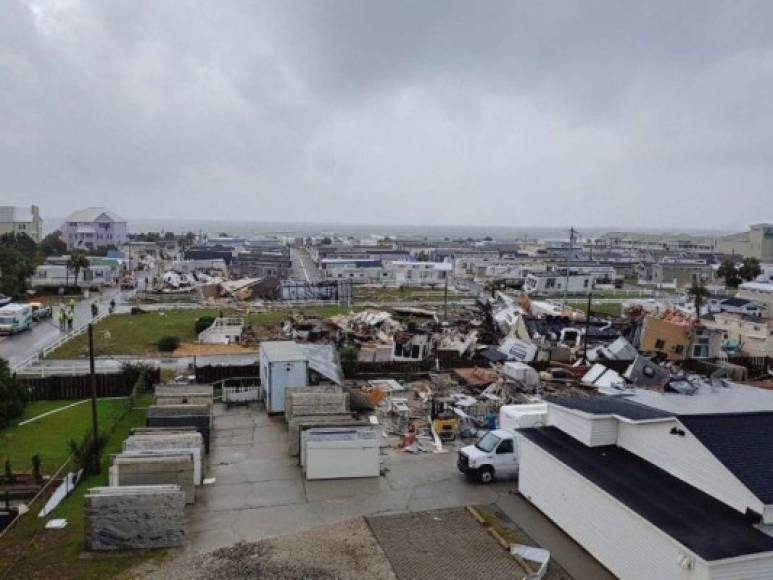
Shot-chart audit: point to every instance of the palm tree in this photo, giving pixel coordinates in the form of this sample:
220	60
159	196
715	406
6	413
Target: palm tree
76	263
698	292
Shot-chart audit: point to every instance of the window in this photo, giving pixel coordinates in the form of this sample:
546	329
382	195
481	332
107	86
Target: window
506	446
679	349
660	344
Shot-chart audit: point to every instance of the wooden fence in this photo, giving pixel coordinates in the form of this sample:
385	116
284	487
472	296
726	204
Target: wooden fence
79	386
211	373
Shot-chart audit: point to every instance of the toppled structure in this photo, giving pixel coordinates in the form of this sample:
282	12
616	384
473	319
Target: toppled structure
134	517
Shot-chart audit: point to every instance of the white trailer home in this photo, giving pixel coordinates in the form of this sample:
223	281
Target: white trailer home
282	365
653	495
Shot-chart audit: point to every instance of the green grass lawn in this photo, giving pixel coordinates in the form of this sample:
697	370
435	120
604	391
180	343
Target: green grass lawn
30	551
609	308
139	334
49	436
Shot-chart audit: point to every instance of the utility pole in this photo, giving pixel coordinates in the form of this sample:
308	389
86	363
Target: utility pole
94	428
445	300
572	232
587	328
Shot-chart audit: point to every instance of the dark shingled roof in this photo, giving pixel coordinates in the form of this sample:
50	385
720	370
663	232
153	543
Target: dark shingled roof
743	442
696	520
611	405
737	302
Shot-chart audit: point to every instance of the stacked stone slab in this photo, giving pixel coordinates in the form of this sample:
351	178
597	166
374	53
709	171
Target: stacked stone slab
168	441
154	469
300	424
303	403
184	394
198	416
141	517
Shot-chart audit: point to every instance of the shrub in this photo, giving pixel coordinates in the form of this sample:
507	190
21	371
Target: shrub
83	453
168	343
13	396
36	462
348	357
204	322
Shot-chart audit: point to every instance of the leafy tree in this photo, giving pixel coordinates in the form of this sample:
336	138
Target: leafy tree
18	258
729	273
53	244
750	269
13	396
77	262
698	292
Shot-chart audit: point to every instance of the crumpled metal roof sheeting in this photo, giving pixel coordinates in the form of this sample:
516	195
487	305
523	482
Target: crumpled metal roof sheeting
324	360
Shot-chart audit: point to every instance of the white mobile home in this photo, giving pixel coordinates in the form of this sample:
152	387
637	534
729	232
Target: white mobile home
654	495
282	365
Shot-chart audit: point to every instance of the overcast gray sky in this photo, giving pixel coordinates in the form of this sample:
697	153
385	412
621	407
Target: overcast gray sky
620	114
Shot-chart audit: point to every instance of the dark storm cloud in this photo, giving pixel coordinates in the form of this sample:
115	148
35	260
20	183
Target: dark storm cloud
514	113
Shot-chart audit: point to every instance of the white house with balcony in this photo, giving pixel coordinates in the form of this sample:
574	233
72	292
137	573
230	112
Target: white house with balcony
94	227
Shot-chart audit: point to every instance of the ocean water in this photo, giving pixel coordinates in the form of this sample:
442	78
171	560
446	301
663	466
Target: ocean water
252	228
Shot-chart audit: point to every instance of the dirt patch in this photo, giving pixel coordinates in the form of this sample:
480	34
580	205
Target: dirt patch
345	551
190	349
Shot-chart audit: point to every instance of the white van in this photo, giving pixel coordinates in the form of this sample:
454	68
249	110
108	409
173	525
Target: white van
15	318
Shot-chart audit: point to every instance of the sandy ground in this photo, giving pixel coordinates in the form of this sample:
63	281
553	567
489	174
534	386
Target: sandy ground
345	551
190	349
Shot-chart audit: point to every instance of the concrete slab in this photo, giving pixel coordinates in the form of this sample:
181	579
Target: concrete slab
260	491
239	496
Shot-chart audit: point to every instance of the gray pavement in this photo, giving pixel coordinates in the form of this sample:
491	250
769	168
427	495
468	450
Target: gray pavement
17	347
303	266
260	492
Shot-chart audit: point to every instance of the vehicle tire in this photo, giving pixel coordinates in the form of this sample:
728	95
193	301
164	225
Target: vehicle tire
486	475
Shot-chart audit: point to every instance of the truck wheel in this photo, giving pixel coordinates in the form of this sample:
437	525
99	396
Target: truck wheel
486	475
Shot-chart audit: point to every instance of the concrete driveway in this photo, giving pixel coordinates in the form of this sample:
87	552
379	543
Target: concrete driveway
260	491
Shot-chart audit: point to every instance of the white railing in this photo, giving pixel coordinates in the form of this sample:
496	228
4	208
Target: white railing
45	351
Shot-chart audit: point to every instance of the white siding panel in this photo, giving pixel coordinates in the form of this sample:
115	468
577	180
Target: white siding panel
570	423
625	543
687	459
744	569
603	432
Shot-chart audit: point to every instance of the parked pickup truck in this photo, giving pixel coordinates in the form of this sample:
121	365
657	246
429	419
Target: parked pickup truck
496	453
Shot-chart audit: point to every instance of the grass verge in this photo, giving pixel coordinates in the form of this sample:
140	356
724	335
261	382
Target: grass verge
49	435
139	334
31	551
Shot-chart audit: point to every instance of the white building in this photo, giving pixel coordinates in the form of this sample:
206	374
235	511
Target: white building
60	276
94	227
651	494
21	220
551	283
282	365
761	292
404	273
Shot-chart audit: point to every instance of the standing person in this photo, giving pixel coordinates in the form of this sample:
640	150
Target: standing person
69	316
112	305
62	318
94	309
